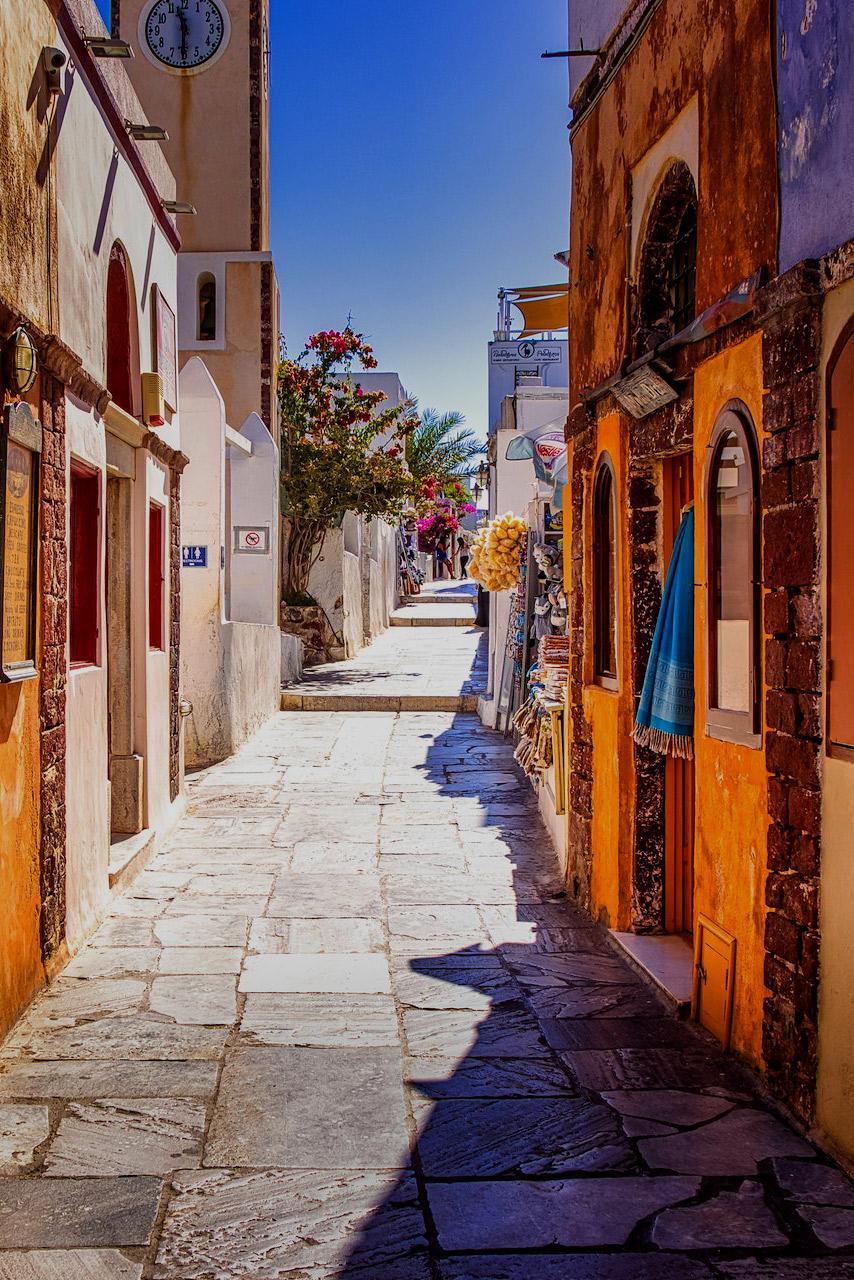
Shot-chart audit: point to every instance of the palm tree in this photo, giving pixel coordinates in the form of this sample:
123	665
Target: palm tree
442	446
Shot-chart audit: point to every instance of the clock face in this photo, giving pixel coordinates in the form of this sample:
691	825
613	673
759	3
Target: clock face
185	34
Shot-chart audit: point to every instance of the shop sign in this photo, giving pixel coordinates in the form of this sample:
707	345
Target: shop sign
549	447
20	447
252	540
194	557
165	347
643	392
525	352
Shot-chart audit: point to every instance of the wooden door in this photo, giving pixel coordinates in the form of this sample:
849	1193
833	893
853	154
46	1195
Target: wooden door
679	779
840	571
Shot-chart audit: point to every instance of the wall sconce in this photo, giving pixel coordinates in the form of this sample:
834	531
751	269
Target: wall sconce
106	47
20	362
482	477
178	206
146	132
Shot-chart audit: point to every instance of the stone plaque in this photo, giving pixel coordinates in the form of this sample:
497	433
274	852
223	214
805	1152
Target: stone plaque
20	445
165	348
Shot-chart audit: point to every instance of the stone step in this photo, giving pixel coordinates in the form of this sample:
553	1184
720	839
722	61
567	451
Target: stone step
399	619
293	700
432	597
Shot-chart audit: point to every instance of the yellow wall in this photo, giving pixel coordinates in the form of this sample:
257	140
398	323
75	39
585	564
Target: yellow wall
731	797
20	952
610	715
835	1083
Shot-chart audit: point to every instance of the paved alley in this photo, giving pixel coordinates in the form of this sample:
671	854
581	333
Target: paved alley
347	1025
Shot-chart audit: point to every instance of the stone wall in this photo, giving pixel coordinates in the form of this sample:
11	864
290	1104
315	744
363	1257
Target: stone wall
794	714
54	633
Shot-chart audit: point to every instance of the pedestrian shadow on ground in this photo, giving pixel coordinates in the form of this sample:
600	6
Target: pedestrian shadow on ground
539	1064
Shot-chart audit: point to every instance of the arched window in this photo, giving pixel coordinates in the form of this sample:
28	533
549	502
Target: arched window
840	557
605	575
119	330
206	323
733	570
667	270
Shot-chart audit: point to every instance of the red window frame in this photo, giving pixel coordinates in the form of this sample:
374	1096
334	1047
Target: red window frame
84	598
156	574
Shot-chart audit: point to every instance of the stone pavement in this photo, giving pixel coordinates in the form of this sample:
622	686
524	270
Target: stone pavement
347	1025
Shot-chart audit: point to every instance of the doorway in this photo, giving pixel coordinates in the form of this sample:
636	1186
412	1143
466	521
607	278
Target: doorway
125	767
679	777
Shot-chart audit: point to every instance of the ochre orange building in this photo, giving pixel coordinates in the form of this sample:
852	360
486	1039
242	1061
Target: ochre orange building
697	375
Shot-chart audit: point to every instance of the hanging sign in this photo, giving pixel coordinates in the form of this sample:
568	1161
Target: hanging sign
525	352
165	347
20	447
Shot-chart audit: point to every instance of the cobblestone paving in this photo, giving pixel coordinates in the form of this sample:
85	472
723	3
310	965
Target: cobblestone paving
347	1025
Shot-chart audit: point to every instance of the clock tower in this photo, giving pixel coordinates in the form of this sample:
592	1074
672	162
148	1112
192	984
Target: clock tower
201	71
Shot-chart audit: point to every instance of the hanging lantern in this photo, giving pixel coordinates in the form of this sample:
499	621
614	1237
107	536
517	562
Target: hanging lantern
21	362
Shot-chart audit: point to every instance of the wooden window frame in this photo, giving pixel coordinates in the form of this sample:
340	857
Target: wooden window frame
741	727
602	586
156	577
82	655
836	750
118	360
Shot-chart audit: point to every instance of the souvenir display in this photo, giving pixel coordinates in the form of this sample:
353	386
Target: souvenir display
496	552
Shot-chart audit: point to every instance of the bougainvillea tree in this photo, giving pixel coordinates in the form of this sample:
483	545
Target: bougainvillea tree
341	451
440	510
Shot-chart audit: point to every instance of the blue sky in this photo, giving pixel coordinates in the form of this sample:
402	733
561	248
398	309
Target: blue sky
420	160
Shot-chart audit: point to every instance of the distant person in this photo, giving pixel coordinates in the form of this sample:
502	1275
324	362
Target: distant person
443	569
464	560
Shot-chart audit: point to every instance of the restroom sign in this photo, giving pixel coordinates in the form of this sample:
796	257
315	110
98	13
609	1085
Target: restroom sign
252	540
194	557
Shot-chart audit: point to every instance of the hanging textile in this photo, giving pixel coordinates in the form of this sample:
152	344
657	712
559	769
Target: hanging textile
665	717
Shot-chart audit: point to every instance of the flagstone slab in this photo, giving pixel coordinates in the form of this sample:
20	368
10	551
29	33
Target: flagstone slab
614	1069
22	1129
613	1033
70	999
506	1032
202	930
527	1137
77	1213
141	1036
323	896
731	1220
315	973
68	1264
448	889
672	1106
113	962
200	960
573	1213
203	904
127	1136
122	932
271	1224
814	1183
535	970
425	985
321	1021
591	1000
196	999
448	927
834	1227
135	1079
436	1078
326	857
787	1269
309	1109
730	1146
574	1266
350	934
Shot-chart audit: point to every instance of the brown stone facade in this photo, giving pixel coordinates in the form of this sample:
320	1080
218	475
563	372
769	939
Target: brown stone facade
791	530
54	633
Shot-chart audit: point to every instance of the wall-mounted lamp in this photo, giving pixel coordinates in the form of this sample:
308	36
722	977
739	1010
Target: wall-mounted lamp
53	60
482	476
147	132
178	206
107	47
20	361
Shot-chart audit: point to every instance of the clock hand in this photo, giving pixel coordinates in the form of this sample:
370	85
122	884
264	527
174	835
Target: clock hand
185	33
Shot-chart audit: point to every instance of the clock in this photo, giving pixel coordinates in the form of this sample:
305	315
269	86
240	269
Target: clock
184	35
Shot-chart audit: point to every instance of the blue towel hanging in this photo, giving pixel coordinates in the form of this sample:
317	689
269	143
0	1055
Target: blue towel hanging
665	717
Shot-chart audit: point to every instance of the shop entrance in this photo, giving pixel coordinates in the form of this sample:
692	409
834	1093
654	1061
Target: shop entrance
679	781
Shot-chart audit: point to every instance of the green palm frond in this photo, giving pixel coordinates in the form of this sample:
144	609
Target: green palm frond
442	445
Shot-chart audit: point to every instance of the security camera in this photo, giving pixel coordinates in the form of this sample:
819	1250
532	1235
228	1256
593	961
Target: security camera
53	60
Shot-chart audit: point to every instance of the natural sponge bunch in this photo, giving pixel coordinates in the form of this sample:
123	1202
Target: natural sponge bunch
496	554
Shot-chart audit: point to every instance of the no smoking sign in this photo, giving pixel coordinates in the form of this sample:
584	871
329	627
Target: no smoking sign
252	540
